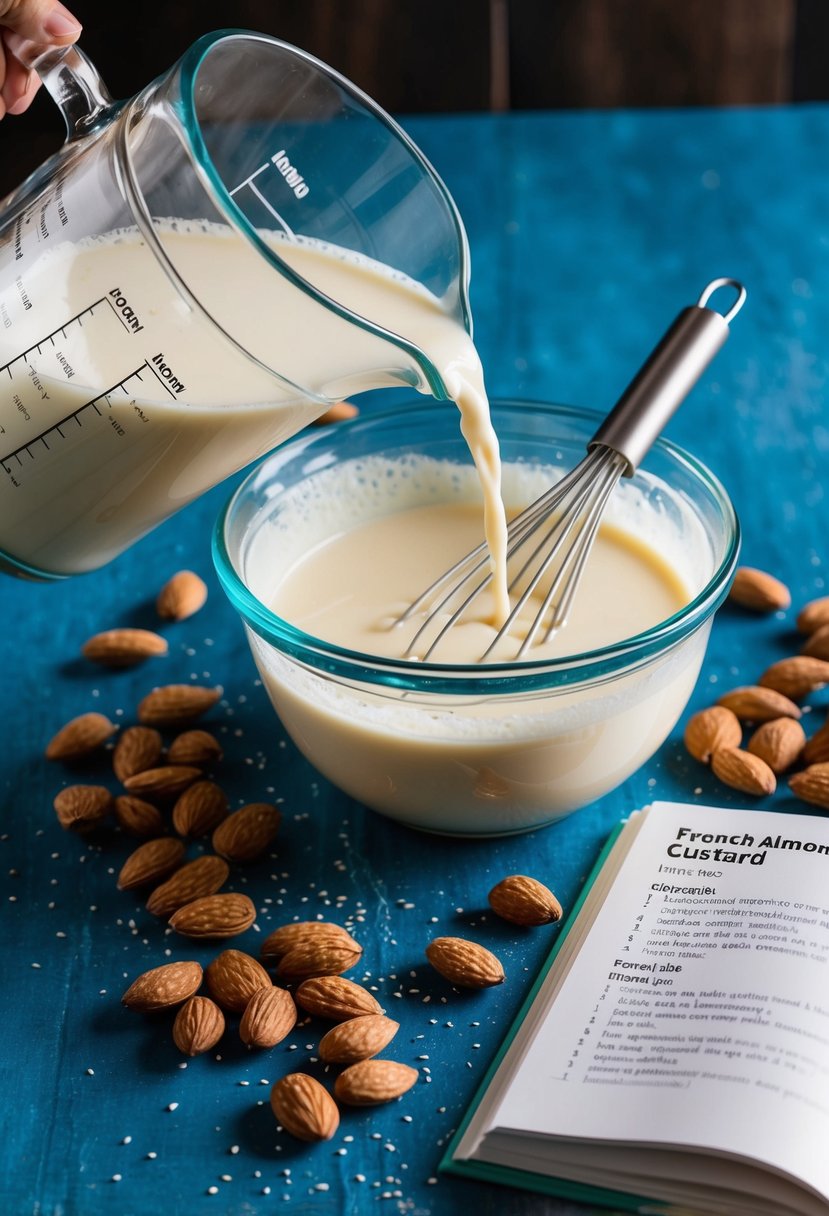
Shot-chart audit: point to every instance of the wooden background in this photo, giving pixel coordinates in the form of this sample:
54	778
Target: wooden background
434	55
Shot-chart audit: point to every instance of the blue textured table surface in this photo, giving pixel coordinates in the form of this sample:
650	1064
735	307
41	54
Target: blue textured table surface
588	234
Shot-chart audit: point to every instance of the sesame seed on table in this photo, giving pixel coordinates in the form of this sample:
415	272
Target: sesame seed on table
588	232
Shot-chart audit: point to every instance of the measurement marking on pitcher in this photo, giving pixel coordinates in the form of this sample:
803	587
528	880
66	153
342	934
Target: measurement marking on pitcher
75	416
61	329
249	182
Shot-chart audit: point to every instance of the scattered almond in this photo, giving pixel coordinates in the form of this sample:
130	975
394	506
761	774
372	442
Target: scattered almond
81	807
341	411
711	729
816	750
165	782
813	615
138	817
150	863
373	1081
755	704
163	987
181	596
270	1016
138	749
247	832
302	933
200	808
304	1107
758	591
80	737
357	1039
797	676
197	747
743	771
524	901
174	703
817	644
812	785
318	958
124	647
233	977
465	963
215	916
778	742
198	878
199	1025
335	998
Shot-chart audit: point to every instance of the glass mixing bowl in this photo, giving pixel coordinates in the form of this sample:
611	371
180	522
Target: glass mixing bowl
483	749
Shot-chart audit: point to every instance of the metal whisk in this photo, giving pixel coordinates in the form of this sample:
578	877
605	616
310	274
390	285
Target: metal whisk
556	532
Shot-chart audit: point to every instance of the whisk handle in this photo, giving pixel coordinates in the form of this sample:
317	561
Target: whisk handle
664	381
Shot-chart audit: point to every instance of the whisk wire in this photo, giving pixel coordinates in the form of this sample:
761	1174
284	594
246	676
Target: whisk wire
465	570
595	477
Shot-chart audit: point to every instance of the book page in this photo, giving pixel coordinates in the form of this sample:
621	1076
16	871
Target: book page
696	1011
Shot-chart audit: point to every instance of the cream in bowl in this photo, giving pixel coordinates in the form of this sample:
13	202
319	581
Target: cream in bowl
328	540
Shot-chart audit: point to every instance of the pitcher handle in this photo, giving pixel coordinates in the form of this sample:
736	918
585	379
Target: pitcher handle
73	82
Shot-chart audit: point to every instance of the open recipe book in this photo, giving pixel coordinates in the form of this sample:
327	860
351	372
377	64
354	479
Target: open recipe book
674	1053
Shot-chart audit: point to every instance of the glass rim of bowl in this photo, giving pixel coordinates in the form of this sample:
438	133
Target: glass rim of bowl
479	679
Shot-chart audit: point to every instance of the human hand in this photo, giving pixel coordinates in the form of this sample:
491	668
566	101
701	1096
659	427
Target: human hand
26	25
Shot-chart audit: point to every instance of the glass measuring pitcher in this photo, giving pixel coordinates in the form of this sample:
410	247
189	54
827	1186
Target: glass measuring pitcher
197	274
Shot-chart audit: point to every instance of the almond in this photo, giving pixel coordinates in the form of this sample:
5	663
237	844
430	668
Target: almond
80	807
743	771
711	729
123	647
199	1025
138	749
817	644
181	596
270	1016
80	737
247	832
755	704
335	998
357	1039
373	1081
199	809
524	901
150	863
233	977
759	591
464	963
340	411
318	958
816	750
138	817
304	1107
214	916
197	747
166	782
198	878
778	742
301	933
813	615
163	987
797	676
174	703
812	785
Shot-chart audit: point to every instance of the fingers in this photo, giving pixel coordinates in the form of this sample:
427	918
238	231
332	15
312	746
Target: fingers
21	86
43	22
27	28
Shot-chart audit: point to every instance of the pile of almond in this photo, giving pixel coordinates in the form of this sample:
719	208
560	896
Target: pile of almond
168	796
239	985
313	955
777	741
